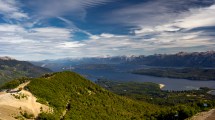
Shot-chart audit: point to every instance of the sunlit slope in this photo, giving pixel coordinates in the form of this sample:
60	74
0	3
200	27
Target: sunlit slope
74	97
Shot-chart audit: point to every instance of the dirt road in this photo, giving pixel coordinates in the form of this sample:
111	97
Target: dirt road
209	115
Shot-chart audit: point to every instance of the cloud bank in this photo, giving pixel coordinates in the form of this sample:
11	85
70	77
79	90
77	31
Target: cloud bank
49	31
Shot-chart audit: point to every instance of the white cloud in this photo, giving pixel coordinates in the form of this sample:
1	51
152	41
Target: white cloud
64	7
175	33
70	45
202	17
158	29
106	35
10	9
144	30
10	28
44	43
103	35
51	33
94	37
39	43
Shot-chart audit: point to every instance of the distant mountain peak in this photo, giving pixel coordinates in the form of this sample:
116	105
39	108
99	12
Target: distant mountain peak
209	52
182	53
6	58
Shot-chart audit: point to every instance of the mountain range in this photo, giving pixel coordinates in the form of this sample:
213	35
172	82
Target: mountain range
181	59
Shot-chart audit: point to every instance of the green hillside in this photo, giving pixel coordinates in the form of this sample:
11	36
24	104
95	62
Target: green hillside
73	97
86	100
12	69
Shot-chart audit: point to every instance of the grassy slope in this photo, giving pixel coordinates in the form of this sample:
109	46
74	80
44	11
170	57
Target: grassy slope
86	99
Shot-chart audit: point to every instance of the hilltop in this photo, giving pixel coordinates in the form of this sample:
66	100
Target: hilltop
11	68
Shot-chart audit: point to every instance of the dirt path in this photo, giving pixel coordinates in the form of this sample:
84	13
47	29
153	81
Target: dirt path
10	106
209	115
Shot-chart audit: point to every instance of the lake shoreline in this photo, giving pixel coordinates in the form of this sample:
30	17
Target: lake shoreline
170	83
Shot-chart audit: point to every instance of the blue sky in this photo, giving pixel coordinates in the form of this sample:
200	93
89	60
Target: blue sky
51	29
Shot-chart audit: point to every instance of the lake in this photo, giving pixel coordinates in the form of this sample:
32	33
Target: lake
170	83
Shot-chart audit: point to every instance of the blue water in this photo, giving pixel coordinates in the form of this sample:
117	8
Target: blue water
170	83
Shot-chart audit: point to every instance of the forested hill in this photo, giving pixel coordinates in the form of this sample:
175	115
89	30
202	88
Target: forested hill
75	98
84	100
11	69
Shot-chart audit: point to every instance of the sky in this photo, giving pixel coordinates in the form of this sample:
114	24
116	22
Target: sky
52	29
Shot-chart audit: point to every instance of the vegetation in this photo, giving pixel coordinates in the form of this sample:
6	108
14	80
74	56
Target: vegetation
150	92
175	104
20	96
24	115
13	69
73	97
14	83
87	100
183	73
